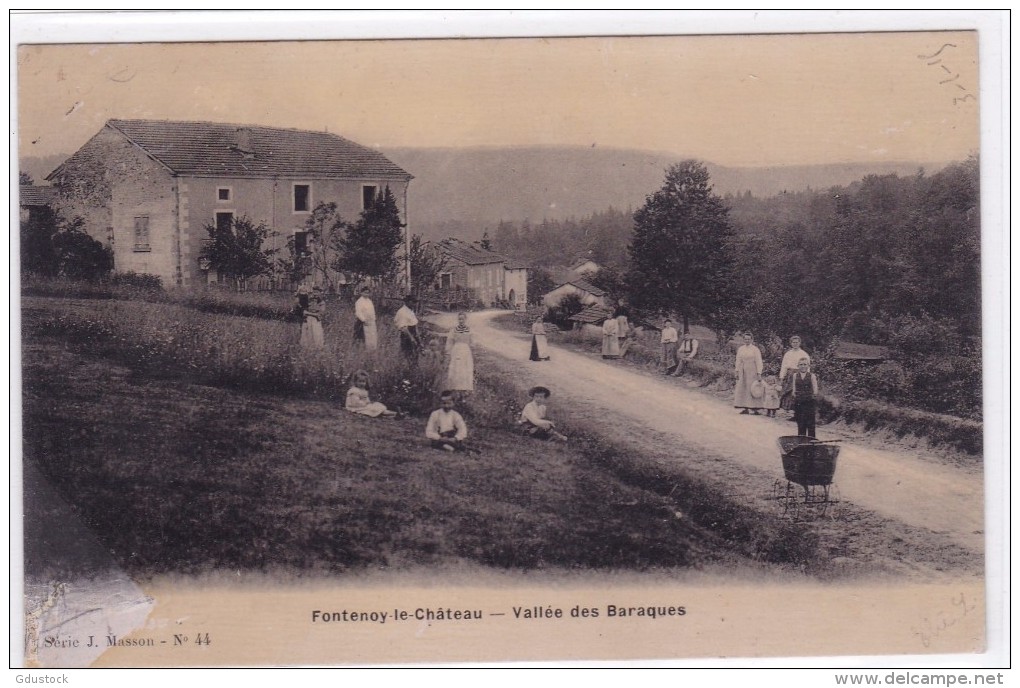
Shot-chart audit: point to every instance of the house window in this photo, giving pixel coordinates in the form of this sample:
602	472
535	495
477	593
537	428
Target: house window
302	198
223	193
224	220
445	280
142	233
368	193
300	243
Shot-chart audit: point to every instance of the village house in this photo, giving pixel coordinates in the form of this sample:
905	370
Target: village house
32	199
584	267
148	189
493	279
585	290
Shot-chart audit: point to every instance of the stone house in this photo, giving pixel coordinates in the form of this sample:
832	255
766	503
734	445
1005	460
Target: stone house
589	294
490	276
148	189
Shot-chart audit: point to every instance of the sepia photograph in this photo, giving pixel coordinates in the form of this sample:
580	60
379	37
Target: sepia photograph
672	337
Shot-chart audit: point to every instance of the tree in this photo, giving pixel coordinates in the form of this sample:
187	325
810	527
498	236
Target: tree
38	254
540	283
25	179
370	248
321	254
52	245
680	254
80	257
426	265
235	250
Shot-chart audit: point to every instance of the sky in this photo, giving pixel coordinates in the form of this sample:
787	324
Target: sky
743	100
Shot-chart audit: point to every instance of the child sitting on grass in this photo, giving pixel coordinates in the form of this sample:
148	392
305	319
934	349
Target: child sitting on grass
358	400
771	399
446	428
533	417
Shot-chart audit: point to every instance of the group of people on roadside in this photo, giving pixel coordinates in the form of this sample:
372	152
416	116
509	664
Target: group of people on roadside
616	335
445	428
796	387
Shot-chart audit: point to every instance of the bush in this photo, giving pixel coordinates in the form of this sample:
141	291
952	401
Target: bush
137	280
80	257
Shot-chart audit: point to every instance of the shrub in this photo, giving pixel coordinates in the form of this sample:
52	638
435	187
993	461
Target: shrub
137	280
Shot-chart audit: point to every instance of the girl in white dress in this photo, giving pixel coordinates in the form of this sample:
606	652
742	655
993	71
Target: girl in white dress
358	400
539	341
461	374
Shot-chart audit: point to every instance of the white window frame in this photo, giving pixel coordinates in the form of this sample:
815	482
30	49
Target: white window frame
230	194
293	198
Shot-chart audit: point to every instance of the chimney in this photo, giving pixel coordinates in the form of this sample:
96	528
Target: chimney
242	142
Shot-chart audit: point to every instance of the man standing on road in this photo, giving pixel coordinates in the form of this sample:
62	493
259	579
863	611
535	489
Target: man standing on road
789	366
364	323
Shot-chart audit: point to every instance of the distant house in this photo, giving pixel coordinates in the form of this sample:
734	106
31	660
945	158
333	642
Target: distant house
149	188
588	292
585	267
491	277
31	199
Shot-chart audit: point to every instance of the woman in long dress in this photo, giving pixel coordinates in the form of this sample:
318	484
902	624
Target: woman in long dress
748	367
311	326
461	374
610	341
539	341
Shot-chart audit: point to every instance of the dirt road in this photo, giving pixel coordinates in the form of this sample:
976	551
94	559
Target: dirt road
895	484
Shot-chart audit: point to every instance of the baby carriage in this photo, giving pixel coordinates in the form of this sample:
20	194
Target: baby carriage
810	464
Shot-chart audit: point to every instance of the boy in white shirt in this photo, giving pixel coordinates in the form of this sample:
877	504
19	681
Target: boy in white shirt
446	428
533	417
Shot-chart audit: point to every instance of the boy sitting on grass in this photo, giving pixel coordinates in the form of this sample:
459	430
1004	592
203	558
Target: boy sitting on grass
446	427
533	417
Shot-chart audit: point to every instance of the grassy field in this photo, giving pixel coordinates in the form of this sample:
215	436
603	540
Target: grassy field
193	442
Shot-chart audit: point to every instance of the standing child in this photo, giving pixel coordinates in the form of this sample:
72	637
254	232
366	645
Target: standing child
446	428
805	391
771	400
533	417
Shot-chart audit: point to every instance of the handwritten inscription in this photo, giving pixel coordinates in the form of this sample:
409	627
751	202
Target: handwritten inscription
949	77
931	627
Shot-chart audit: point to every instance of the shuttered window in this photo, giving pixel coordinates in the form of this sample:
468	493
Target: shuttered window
142	233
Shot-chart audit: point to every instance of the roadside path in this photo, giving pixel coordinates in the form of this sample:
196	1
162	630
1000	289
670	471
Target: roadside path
893	483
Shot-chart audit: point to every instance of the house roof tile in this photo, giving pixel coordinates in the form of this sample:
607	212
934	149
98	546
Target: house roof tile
471	254
585	285
230	150
36	195
592	315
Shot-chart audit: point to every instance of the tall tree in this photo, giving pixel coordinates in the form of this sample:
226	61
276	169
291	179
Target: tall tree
426	265
235	250
324	236
681	253
370	249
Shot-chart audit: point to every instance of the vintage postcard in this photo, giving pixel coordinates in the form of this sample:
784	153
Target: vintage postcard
355	349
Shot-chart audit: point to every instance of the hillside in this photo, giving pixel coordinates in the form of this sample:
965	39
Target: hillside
462	191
